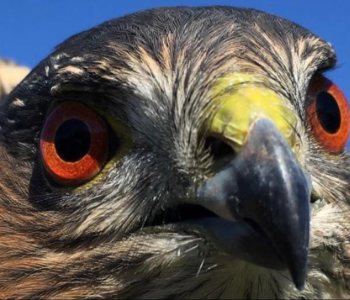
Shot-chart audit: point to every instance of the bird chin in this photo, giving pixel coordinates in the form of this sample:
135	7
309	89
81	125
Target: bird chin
242	240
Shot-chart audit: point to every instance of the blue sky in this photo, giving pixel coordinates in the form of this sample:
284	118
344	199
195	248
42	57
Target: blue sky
30	29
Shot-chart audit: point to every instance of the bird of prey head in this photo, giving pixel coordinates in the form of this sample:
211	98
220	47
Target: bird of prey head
177	153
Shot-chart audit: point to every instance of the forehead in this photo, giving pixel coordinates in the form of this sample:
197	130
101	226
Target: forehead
169	55
164	48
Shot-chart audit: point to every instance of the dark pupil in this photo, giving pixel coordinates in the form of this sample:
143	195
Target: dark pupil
72	140
328	112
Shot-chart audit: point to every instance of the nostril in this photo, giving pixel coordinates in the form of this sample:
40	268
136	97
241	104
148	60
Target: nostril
221	152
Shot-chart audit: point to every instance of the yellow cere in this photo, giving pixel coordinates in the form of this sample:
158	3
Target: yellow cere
239	100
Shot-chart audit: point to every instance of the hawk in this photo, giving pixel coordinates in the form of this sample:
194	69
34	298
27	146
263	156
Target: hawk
177	153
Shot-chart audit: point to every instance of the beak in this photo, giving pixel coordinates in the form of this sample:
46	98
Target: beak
263	186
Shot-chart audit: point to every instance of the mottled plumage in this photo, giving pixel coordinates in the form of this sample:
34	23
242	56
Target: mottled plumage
151	74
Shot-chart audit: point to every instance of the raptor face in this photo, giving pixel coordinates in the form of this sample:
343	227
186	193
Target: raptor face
175	153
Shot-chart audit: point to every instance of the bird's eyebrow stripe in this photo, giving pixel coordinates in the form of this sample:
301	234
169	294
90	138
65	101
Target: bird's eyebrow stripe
72	69
328	64
324	55
76	77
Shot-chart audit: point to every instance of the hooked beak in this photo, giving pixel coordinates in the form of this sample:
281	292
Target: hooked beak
262	195
265	185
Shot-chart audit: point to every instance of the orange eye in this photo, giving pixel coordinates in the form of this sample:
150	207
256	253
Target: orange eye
73	143
329	115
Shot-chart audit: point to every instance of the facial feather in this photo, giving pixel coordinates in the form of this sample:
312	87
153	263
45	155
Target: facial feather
155	78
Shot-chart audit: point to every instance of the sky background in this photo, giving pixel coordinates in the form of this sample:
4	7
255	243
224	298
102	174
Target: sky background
30	29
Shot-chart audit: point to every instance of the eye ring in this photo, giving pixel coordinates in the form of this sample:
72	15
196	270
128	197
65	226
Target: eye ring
84	163
328	114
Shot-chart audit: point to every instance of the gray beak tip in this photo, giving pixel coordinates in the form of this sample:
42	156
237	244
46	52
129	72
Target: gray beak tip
265	184
298	271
